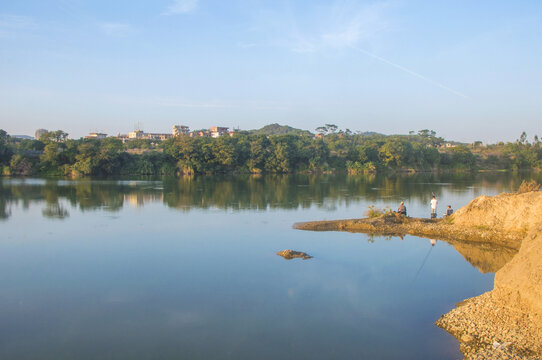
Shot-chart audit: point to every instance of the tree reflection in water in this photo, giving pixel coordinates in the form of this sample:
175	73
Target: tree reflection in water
250	192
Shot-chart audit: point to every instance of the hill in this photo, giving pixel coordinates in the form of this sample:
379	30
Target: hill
276	129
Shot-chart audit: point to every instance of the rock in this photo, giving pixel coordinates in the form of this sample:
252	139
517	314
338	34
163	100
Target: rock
466	338
292	254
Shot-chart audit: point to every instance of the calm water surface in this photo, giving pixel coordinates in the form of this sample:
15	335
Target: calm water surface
187	268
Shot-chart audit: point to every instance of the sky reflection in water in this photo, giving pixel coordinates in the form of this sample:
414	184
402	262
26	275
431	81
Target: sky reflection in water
187	268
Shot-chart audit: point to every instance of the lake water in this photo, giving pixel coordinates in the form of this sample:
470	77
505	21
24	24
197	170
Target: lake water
186	268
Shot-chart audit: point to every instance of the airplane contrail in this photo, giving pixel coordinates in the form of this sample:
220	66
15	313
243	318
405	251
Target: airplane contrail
413	73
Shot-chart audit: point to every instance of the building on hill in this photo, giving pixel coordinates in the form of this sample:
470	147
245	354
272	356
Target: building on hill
447	146
158	136
139	134
98	136
201	133
217	131
39	133
178	130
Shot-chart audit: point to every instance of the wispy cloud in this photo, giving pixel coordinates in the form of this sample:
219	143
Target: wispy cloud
117	29
181	7
361	26
13	24
339	25
342	25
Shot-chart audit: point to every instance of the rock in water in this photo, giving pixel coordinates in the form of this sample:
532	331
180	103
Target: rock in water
292	254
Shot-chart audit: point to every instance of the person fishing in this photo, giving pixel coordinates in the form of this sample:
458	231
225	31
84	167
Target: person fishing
449	211
402	208
434	207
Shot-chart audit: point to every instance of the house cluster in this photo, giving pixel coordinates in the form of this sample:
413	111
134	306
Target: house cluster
96	136
176	130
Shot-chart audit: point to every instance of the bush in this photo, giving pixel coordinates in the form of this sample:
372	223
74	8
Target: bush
21	165
374	212
528	186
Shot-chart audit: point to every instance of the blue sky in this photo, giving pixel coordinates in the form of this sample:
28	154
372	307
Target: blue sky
468	69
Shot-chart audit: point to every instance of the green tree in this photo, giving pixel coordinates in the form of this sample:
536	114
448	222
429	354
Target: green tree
395	152
462	157
51	155
6	152
87	158
22	165
54	136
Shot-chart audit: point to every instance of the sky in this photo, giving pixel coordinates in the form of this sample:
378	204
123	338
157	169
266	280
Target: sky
470	70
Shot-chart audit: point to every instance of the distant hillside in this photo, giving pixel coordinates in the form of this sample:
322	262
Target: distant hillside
23	137
370	133
276	129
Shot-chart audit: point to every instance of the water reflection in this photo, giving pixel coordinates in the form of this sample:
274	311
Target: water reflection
207	284
487	258
55	211
239	192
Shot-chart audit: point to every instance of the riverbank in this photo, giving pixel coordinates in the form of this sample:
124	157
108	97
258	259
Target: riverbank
505	323
448	229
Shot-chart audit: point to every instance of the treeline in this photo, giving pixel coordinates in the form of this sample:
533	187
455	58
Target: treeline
331	150
518	155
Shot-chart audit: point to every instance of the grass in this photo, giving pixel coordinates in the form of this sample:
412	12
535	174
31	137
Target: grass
528	186
374	212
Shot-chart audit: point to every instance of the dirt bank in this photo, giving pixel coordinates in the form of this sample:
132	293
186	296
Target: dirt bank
505	323
452	229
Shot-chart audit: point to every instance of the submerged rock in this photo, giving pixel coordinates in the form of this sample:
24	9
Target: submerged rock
292	254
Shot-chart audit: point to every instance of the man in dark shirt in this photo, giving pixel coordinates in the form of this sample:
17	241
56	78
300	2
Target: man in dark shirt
402	208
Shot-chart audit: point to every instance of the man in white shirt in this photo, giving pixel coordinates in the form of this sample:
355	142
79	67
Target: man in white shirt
434	207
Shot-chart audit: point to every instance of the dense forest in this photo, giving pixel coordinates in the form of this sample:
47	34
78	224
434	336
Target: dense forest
54	154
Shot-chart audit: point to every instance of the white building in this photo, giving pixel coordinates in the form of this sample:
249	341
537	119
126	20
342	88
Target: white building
217	131
137	134
98	136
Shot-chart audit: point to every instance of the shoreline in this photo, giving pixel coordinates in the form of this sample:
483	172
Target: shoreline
438	229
